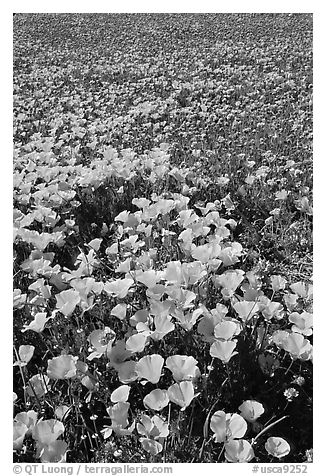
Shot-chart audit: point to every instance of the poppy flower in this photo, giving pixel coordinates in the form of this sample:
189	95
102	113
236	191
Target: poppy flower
118	354
95	244
25	353
297	345
227	426
47	431
187	320
223	350
226	330
149	278
151	446
119	311
67	301
127	371
238	451
154	428
120	394
229	282
149	368
136	342
251	410
54	452
28	418
277	447
102	341
62	367
156	400
246	309
38	324
119	287
119	414
302	323
270	309
183	367
278	282
301	289
62	411
19	432
38	385
230	255
182	393
205	253
163	326
19	299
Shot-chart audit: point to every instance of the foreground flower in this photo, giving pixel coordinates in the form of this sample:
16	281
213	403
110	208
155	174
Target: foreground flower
227	426
46	432
277	447
239	451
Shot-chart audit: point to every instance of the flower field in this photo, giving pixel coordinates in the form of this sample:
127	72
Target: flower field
162	306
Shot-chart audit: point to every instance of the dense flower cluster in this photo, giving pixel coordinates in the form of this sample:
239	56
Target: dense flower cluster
154	171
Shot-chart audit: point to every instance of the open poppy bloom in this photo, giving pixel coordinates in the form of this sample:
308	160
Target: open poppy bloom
251	410
156	400
153	428
38	324
49	448
102	341
246	309
137	342
67	301
223	350
19	432
226	330
163	325
297	346
54	452
119	287
62	367
278	282
229	282
127	371
182	367
277	447
238	451
149	368
25	353
119	420
227	426
47	431
151	446
182	394
120	394
28	418
302	323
